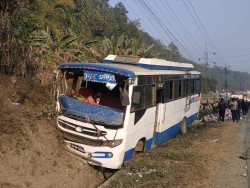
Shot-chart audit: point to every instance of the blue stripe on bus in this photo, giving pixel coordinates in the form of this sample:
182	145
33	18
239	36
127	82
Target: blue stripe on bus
162	67
128	155
105	154
154	67
192	118
160	138
149	144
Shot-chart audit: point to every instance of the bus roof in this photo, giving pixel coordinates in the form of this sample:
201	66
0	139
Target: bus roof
132	69
98	67
149	63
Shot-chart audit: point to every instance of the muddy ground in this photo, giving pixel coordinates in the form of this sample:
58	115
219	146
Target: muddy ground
32	153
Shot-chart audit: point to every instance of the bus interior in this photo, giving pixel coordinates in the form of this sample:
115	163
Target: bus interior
78	94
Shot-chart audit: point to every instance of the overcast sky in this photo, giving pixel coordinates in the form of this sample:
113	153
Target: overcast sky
224	25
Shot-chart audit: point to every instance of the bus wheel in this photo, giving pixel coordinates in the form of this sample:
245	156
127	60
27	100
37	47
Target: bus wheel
139	147
184	126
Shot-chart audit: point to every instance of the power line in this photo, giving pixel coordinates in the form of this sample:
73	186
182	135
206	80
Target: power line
165	29
152	23
237	56
202	25
127	4
236	50
238	61
194	20
204	30
172	27
182	26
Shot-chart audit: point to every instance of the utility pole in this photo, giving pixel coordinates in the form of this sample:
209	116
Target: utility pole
226	86
206	63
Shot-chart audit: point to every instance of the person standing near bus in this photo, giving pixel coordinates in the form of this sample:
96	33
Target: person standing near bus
215	107
239	107
244	107
222	107
234	109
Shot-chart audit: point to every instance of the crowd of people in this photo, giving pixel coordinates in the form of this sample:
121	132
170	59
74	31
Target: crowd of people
234	108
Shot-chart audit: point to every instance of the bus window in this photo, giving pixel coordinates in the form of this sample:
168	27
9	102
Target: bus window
185	88
159	96
168	90
171	90
197	86
190	87
138	98
180	88
176	89
150	95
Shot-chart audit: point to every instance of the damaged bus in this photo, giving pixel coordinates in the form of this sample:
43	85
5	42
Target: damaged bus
110	111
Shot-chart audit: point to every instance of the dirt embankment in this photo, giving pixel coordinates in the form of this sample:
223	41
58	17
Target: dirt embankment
31	151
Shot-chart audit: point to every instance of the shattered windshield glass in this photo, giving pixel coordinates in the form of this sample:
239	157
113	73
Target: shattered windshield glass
100	97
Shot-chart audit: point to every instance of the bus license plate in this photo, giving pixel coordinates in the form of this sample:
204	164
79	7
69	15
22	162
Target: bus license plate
78	148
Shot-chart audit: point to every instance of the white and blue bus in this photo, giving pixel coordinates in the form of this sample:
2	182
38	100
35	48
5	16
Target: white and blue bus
143	103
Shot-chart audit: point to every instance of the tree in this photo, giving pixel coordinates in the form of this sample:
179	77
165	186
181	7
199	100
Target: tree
174	52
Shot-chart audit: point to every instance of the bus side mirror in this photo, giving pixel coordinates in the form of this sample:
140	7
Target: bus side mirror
124	97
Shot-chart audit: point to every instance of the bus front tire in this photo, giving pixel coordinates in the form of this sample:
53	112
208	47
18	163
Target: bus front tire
139	147
183	126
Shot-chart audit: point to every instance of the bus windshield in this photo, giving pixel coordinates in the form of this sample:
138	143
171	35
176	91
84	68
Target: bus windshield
92	96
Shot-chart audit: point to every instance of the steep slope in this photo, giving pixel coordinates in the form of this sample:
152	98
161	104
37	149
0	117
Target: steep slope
31	150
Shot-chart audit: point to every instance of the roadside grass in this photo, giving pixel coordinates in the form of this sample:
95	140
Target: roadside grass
172	164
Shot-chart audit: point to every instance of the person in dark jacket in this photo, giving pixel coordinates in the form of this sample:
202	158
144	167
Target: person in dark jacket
239	107
244	107
222	107
247	106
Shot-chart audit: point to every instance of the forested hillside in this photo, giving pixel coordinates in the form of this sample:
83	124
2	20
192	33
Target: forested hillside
38	35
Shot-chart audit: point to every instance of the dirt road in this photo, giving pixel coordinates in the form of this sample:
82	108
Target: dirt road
232	166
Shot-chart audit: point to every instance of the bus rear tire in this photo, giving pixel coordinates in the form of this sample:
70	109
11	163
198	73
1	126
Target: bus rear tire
183	126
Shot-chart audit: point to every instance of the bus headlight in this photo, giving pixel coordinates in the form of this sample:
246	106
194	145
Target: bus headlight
112	143
89	155
110	155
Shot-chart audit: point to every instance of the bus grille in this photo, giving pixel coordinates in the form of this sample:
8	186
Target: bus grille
75	117
85	130
81	140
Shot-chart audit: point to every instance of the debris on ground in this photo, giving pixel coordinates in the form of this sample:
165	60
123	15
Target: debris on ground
215	117
215	140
